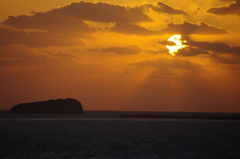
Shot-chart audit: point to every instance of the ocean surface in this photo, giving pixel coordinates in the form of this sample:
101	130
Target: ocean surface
104	135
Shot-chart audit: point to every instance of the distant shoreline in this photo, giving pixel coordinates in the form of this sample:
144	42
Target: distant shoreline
217	116
153	114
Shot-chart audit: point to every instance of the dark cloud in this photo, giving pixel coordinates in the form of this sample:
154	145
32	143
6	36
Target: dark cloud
130	49
65	25
51	22
104	12
59	54
129	29
72	15
163	8
233	8
21	56
35	39
217	47
185	28
66	22
191	28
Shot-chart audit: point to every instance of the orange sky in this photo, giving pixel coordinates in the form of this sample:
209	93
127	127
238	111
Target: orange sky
112	55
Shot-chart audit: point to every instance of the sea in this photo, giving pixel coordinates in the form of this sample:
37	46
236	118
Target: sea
105	135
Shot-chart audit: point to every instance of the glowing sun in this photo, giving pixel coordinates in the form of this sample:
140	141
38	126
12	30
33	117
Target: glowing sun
177	44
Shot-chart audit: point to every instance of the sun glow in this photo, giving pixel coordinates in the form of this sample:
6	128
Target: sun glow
178	44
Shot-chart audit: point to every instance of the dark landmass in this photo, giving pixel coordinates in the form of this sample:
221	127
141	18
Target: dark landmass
184	115
3	111
58	106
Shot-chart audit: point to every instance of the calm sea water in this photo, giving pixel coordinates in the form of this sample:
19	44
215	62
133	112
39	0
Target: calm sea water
105	135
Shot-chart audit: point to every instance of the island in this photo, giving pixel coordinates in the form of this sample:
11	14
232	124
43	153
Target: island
57	106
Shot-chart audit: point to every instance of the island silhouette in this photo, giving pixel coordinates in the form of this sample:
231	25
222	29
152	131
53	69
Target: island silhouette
57	106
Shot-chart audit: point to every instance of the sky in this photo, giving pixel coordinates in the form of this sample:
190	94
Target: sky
113	55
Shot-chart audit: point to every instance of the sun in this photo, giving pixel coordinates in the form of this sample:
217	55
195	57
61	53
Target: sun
177	44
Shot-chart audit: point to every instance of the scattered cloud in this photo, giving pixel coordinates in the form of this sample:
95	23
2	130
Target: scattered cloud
65	26
130	29
130	49
59	54
121	50
60	25
163	8
35	38
233	8
104	12
187	28
51	22
74	14
216	47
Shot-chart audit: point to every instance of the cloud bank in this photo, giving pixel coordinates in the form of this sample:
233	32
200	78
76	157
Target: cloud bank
66	26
